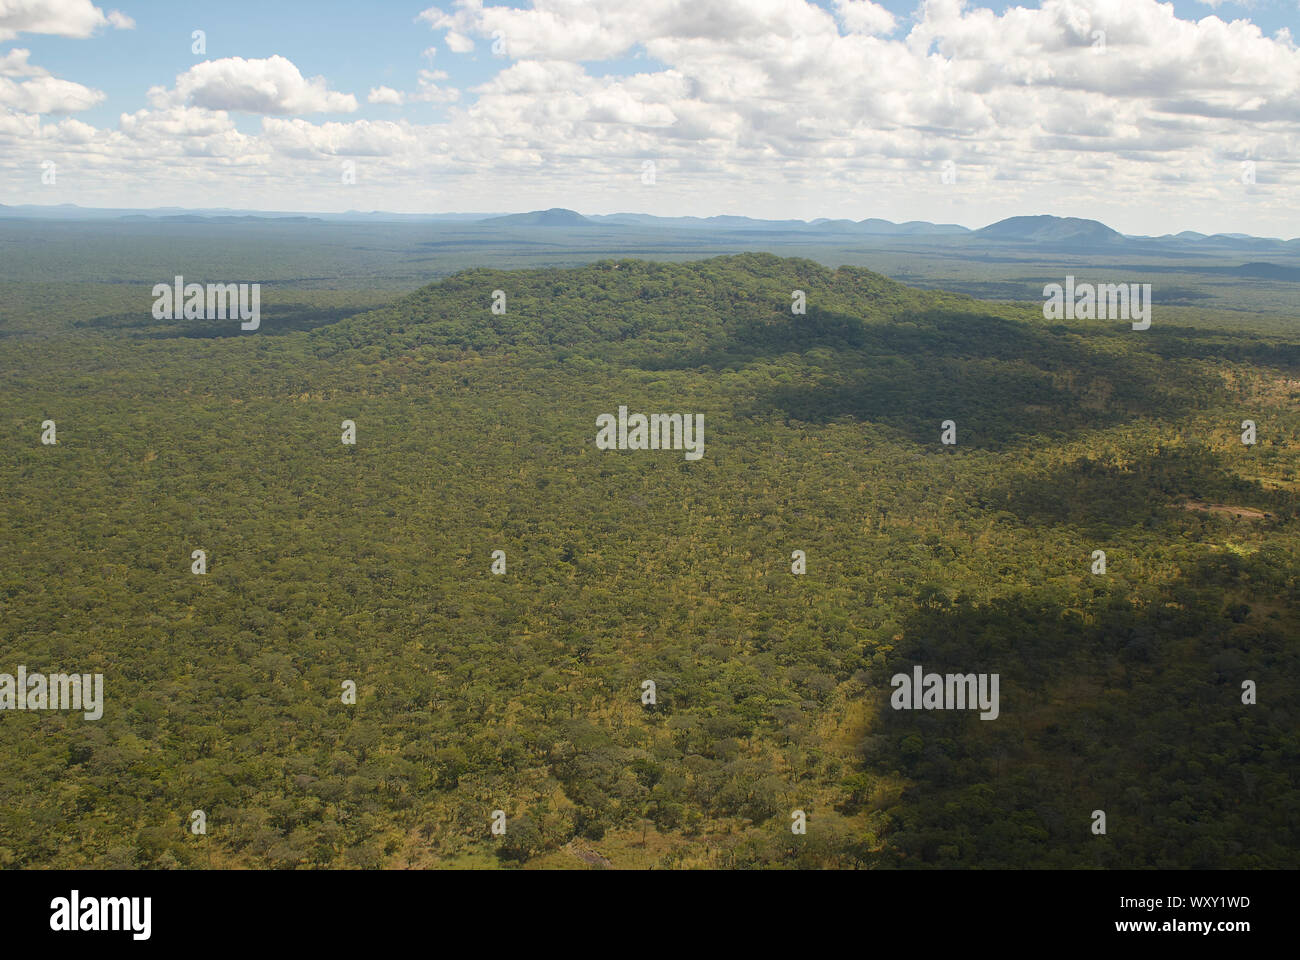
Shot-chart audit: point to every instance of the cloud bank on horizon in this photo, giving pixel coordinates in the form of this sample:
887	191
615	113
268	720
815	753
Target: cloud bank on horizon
1132	111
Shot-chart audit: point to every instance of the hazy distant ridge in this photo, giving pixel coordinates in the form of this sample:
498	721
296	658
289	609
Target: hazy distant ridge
1061	232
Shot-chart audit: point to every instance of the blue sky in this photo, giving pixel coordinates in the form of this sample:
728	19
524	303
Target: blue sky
759	107
126	63
362	45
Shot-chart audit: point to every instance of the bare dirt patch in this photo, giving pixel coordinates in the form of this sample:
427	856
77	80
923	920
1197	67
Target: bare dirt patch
588	856
1248	512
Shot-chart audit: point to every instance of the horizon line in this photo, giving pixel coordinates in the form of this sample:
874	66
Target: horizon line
489	215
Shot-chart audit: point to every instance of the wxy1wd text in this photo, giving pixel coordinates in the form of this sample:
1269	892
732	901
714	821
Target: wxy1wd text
1175	902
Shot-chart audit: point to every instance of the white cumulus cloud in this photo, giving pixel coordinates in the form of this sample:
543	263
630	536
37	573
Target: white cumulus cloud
271	86
47	95
386	95
62	18
431	91
784	107
13	63
863	16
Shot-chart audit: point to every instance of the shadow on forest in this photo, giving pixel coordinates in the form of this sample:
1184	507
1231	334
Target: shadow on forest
1115	711
1001	380
276	320
1179	343
1100	496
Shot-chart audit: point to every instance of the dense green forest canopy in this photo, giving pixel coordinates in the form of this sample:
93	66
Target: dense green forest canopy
523	691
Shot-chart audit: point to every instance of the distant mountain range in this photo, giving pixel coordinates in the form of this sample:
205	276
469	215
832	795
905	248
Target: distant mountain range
1062	233
823	225
1059	232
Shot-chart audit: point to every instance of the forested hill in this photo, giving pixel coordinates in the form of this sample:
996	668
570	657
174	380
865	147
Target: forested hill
866	347
519	689
661	308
